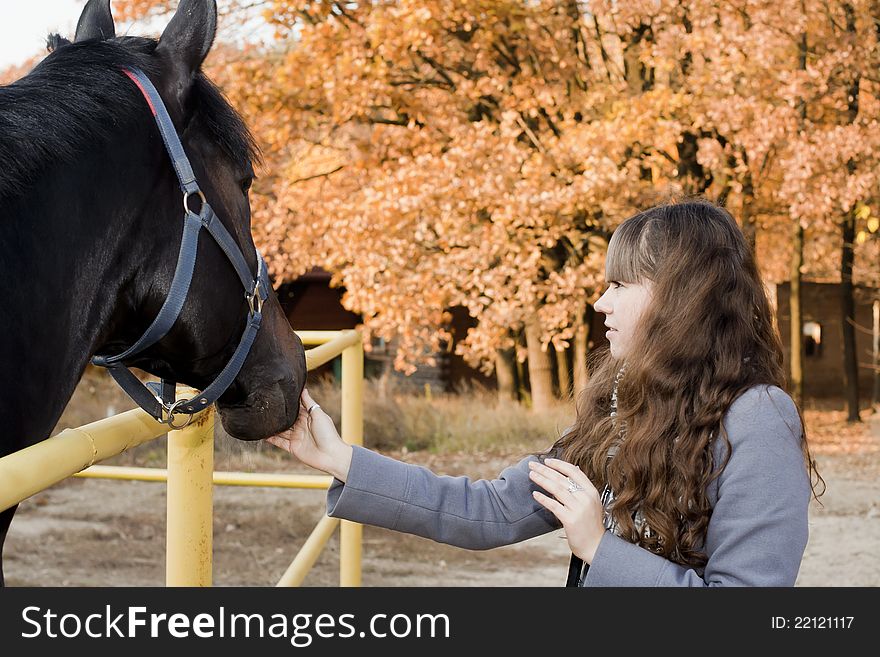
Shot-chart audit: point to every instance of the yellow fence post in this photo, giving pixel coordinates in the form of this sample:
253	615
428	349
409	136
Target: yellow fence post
190	473
190	501
351	533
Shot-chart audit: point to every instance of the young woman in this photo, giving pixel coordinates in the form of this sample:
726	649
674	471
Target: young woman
687	464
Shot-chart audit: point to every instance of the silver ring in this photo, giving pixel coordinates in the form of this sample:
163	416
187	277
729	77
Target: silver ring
186	196
312	407
573	487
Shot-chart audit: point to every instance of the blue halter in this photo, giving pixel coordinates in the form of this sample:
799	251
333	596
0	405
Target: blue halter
159	399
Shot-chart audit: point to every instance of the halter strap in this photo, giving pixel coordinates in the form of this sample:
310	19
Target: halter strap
182	167
159	399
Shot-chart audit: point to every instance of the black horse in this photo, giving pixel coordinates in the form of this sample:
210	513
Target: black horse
90	229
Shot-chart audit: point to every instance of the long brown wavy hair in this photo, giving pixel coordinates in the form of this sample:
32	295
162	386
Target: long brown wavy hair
706	337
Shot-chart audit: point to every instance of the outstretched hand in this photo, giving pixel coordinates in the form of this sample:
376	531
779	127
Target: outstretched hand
575	502
314	440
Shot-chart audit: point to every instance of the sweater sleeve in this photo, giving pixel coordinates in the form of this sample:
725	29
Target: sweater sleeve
758	530
477	515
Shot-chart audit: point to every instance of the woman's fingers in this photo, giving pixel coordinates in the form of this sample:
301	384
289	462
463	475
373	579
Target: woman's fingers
550	480
556	477
306	398
280	442
550	504
570	471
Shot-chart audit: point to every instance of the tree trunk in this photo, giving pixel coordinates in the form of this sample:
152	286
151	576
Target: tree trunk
522	380
847	302
875	351
749	225
639	77
848	305
796	328
505	374
384	380
581	349
689	171
848	316
563	373
540	368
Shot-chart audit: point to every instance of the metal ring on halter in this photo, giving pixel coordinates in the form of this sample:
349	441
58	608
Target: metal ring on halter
186	200
170	410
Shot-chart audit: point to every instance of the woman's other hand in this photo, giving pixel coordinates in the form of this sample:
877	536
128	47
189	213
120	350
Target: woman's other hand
575	502
313	439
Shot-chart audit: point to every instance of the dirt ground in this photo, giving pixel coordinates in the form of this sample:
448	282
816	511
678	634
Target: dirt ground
85	532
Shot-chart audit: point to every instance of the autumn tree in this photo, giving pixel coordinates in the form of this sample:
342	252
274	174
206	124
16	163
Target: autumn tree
479	153
832	167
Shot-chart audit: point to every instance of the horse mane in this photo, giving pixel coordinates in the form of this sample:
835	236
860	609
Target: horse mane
75	99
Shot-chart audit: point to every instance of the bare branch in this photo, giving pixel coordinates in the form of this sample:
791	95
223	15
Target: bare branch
317	175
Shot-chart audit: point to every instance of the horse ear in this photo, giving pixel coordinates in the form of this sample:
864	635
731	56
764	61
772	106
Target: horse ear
187	39
95	22
55	41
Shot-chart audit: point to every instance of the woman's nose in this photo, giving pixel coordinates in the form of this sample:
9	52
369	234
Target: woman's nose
602	305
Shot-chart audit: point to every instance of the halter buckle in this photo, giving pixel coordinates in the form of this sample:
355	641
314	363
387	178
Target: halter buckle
254	299
169	409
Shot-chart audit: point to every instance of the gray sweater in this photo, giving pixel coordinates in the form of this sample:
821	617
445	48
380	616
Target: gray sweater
756	535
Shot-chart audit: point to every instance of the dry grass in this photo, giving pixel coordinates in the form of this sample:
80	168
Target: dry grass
470	421
398	420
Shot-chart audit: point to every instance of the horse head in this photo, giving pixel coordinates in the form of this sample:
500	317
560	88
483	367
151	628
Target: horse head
144	191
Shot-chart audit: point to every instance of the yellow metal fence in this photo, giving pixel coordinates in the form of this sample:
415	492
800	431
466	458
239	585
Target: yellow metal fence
190	473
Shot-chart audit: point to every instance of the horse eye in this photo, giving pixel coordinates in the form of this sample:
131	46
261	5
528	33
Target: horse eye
246	184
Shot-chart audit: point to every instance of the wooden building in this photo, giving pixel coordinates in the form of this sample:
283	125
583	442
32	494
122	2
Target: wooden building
823	336
311	304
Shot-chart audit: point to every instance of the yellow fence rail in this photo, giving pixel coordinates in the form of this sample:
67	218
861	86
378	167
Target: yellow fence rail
190	473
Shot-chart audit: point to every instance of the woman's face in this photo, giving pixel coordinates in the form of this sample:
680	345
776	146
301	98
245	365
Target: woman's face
623	305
